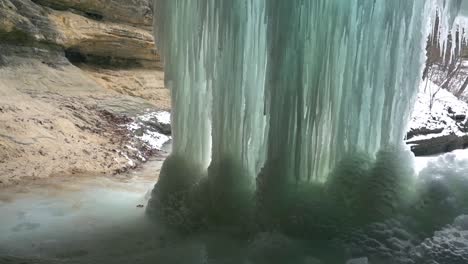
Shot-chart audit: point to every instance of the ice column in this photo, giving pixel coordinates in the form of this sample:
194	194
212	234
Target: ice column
286	89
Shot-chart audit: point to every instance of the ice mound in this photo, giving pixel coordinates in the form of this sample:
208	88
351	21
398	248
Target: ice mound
448	246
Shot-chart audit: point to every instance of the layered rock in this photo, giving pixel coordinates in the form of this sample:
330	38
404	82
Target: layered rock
111	40
87	39
56	120
23	22
139	82
73	76
103	42
137	12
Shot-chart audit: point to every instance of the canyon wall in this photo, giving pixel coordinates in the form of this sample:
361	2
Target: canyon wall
73	75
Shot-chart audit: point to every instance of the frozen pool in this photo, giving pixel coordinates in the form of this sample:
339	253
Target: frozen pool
100	220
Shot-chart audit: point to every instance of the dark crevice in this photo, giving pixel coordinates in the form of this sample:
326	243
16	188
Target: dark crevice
75	57
94	16
2	61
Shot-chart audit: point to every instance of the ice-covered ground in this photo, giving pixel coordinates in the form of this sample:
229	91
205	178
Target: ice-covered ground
84	219
101	221
456	160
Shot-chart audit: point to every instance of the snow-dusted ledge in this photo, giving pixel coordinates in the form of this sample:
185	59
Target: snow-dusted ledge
147	134
152	128
439	123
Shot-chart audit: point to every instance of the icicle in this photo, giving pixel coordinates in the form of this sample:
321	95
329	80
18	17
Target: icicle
284	90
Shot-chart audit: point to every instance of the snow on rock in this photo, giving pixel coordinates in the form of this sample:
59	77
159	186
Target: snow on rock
164	117
152	128
160	120
446	113
155	139
439	123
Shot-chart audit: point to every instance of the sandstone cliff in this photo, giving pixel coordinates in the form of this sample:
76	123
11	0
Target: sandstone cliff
76	28
73	74
112	34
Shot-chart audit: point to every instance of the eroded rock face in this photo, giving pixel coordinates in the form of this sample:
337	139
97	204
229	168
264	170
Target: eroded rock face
56	120
110	40
73	76
136	12
102	39
24	22
138	82
124	39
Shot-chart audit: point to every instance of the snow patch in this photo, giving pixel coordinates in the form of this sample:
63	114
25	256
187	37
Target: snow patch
146	128
437	113
155	140
162	117
456	160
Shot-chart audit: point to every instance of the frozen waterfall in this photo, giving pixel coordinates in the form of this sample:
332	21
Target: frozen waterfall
282	107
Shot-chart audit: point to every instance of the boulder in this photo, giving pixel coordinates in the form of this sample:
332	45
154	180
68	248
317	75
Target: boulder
437	144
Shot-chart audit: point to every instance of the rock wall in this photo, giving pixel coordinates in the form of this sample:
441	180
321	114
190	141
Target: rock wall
136	12
73	75
111	40
78	28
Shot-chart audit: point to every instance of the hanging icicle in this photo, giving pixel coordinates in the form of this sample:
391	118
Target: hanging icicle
283	93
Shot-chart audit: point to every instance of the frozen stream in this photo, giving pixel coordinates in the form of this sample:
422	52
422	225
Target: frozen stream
95	220
98	220
83	219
